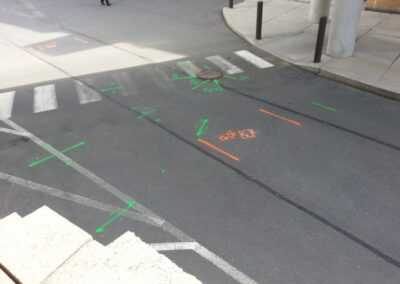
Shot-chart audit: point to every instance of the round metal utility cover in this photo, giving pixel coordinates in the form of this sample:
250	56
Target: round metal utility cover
209	75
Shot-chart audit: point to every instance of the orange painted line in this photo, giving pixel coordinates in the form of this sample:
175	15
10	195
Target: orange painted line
280	117
218	149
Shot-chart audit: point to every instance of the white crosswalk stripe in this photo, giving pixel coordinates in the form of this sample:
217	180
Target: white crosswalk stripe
6	104
85	93
123	80
253	59
44	98
188	67
224	65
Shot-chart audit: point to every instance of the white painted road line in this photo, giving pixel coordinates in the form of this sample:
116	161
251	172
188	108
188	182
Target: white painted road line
166	226
10	131
44	98
224	65
74	198
85	93
188	67
6	104
174	246
123	80
254	59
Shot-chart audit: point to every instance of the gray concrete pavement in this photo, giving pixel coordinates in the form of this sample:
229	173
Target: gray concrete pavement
313	198
289	35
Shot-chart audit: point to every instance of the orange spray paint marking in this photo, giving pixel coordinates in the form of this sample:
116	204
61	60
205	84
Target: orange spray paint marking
247	134
228	135
280	117
218	149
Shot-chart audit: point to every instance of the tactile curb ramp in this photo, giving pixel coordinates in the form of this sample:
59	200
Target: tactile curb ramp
36	245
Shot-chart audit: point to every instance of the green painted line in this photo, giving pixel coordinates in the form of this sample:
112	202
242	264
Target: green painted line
176	77
216	83
230	77
103	227
201	84
157	120
146	113
163	171
324	106
207	67
34	164
202	128
113	89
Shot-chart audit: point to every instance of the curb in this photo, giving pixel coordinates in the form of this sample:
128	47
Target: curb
318	70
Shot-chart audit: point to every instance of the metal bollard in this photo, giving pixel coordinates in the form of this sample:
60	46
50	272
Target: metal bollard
320	39
259	19
231	4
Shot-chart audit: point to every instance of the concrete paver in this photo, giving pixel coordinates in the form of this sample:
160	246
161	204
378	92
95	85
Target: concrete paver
291	37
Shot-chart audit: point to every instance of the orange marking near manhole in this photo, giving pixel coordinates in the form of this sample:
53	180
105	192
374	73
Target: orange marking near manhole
218	149
280	117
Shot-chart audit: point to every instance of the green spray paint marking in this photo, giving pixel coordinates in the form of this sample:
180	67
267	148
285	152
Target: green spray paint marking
163	171
203	127
207	67
244	78
34	164
204	82
146	113
112	89
230	77
216	83
324	106
176	77
103	227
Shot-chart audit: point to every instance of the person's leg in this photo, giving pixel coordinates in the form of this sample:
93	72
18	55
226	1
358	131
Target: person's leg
108	3
102	2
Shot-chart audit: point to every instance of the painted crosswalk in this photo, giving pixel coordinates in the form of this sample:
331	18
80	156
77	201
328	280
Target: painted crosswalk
224	65
88	90
253	59
85	93
45	98
6	104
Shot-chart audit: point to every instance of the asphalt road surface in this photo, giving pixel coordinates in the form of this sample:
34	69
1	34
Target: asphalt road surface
280	176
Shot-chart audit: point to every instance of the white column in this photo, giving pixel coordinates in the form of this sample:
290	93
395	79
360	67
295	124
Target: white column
343	29
318	9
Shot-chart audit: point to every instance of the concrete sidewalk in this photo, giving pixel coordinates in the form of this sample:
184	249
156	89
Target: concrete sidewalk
287	34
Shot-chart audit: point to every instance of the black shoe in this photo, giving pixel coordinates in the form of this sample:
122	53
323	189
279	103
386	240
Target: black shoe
102	2
108	4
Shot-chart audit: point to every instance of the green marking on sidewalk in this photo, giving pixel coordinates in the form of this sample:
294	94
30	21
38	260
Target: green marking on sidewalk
163	171
103	227
49	157
176	77
324	106
203	127
146	113
216	83
230	77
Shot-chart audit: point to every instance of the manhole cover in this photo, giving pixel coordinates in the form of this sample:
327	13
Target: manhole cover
209	75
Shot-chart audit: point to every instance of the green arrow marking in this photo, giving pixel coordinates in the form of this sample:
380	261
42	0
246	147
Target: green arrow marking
103	227
202	128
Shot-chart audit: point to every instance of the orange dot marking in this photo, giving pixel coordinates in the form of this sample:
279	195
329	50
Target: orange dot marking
280	117
218	149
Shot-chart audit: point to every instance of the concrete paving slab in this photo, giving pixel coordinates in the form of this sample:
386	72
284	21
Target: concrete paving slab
125	260
4	279
40	243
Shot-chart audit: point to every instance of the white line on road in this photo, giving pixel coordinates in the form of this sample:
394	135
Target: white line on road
85	93
6	104
73	197
44	98
10	131
224	65
253	59
188	67
213	258
174	246
123	80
